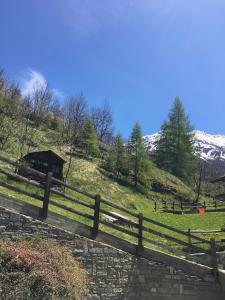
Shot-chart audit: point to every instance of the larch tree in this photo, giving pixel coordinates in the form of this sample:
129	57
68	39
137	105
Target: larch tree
138	159
75	118
90	140
103	122
175	146
116	162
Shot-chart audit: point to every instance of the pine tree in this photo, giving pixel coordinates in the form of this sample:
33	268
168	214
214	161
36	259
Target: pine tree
117	159
175	147
138	160
120	165
90	140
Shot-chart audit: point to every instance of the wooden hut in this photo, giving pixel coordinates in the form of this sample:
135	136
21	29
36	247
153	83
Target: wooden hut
44	162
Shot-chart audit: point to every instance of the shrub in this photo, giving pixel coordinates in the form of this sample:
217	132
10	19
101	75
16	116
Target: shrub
39	269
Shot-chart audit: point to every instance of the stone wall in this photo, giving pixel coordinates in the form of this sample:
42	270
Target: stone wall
114	274
220	258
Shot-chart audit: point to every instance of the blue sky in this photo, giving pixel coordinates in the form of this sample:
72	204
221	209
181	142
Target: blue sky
139	54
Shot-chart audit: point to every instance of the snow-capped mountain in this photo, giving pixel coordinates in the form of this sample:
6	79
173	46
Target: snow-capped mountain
210	147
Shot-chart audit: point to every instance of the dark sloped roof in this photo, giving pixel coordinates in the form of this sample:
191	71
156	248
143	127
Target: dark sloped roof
45	152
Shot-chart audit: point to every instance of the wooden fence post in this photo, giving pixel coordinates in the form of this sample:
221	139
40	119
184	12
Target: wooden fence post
164	204
139	248
214	257
189	237
96	217
44	210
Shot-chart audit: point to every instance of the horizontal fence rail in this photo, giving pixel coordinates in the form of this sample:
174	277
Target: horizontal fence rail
175	206
98	211
220	241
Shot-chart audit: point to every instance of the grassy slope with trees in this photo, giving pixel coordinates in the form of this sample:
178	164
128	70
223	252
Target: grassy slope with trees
96	161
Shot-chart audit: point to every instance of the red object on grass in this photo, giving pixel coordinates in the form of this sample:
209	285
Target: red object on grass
201	210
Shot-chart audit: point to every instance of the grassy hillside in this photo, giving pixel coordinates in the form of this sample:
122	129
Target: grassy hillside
90	176
95	179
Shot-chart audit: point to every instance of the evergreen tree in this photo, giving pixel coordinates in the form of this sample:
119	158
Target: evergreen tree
120	156
138	159
90	140
175	147
117	160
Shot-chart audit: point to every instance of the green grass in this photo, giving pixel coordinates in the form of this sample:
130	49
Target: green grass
134	202
89	176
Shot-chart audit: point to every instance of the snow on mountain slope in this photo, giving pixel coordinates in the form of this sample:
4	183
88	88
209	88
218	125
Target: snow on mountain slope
210	147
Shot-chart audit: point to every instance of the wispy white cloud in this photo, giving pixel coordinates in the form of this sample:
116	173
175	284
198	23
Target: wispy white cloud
86	17
33	80
58	94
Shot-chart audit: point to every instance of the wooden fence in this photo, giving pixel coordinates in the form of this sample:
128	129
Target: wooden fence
137	226
179	206
208	232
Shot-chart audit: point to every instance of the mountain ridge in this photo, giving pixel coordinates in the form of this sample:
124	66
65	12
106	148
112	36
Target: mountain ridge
210	147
